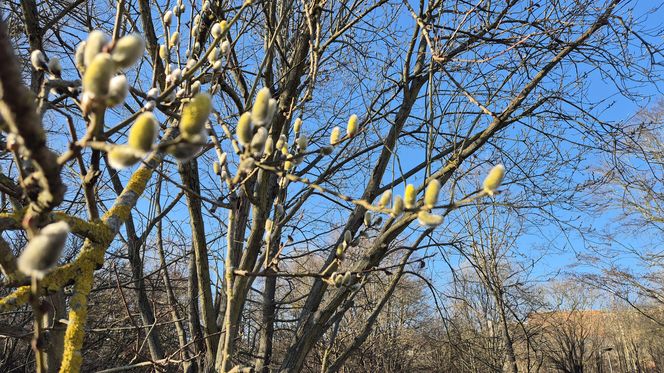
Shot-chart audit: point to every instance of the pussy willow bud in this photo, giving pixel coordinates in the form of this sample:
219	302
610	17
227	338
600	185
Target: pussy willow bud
122	156
340	252
195	114
297	126
118	89
347	237
385	199
338	279
288	165
98	75
168	17
216	66
163	52
271	110
335	135
346	279
225	48
216	168
216	31
43	251
175	39
79	56
222	159
176	75
128	50
261	108
176	10
367	218
302	143
269	146
38	60
54	67
427	219
247	165
397	206
281	142
143	132
243	131
351	129
195	87
149	106
258	141
494	179
431	193
410	196
97	40
153	93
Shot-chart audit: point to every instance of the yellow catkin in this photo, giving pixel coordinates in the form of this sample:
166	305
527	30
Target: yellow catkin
297	126
351	129
385	199
122	156
96	42
128	50
261	108
410	196
244	130
397	206
431	193
494	179
144	132
427	219
335	135
194	115
98	75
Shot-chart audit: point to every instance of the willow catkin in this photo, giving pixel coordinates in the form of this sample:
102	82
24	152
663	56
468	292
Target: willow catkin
410	196
385	199
431	194
216	168
494	179
118	89
302	142
367	218
258	141
168	17
297	126
261	108
184	151
38	60
128	50
143	132
346	279
79	56
244	130
194	115
122	156
397	207
174	40
427	219
335	135
43	250
269	146
351	128
273	105
94	45
98	74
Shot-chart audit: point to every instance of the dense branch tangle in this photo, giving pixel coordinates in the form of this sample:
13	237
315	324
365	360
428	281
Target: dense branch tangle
250	100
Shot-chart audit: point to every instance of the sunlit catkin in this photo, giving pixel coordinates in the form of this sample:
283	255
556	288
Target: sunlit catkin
54	67
194	115
118	89
367	218
410	196
143	132
385	199
96	42
175	39
431	194
216	168
122	156
261	108
297	126
38	60
243	131
128	50
258	141
493	180
427	219
351	129
397	206
43	250
347	279
335	135
98	75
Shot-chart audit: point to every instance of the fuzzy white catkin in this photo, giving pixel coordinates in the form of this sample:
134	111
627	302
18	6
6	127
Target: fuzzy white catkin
97	40
118	89
43	251
38	59
54	67
128	50
494	179
335	135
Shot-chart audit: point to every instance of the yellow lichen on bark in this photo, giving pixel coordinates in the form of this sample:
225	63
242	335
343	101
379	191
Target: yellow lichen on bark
16	299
